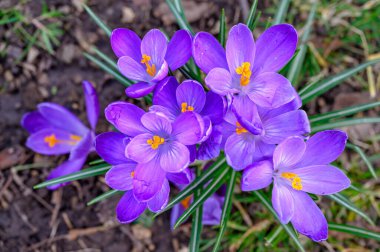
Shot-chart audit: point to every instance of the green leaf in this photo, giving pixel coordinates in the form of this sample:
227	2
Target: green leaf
287	228
344	123
343	201
97	161
364	157
226	209
297	63
104	196
182	22
251	16
106	58
214	185
222	28
47	43
85	173
97	20
355	231
196	227
281	12
343	112
317	88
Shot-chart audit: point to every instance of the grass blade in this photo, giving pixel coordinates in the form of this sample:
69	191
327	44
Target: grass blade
355	231
364	157
315	89
222	28
182	22
251	16
287	228
343	201
104	196
344	123
97	20
281	13
214	185
196	227
105	57
85	173
226	209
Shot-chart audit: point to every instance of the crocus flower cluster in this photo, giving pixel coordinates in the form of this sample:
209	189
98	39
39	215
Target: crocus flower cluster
245	110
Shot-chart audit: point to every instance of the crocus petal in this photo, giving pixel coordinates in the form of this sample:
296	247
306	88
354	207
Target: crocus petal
214	107
162	72
51	141
125	42
119	177
220	81
165	95
308	219
34	121
179	49
257	176
160	200
288	152
139	89
212	211
180	178
92	103
154	44
283	202
139	150
125	117
148	180
65	168
188	128
275	47
129	209
210	148
110	146
191	93
263	150
133	69
156	124
323	148
240	47
83	147
293	123
270	90
246	113
61	118
239	150
322	179
163	111
208	53
174	157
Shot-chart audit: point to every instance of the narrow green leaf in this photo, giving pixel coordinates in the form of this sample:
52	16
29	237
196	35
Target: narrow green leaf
343	112
47	43
355	231
297	63
196	227
104	196
97	161
222	28
257	18
215	169
273	236
344	123
364	157
106	58
251	16
214	185
226	209
182	22
97	20
343	201
287	228
85	173
317	88
281	12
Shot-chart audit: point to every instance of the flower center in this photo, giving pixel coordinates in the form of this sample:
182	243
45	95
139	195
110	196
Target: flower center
133	174
150	69
186	202
240	129
245	71
52	140
185	107
155	142
294	178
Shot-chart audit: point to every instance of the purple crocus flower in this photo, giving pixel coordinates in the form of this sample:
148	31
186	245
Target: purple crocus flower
149	60
55	130
157	144
172	99
246	68
111	147
299	168
251	132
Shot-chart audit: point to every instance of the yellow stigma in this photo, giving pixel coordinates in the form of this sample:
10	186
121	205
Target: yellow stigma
133	174
186	202
294	178
52	140
185	107
155	142
150	69
245	71
240	129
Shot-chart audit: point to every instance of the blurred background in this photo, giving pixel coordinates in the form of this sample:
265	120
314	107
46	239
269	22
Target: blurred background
41	55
